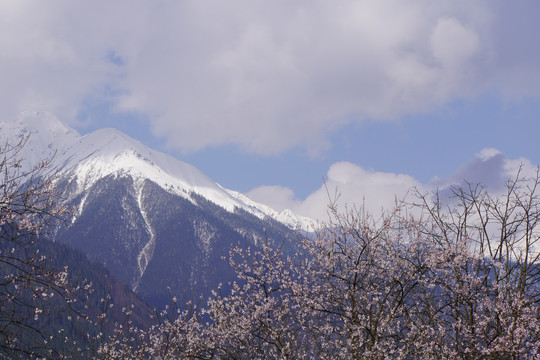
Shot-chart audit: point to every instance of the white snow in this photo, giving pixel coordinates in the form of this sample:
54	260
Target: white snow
86	159
147	252
47	138
80	208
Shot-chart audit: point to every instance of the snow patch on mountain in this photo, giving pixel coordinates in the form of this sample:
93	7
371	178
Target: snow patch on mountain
147	252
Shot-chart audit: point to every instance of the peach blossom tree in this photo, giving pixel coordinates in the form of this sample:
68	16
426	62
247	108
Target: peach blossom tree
440	277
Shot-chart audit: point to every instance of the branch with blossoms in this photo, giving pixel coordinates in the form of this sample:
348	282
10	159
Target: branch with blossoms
33	291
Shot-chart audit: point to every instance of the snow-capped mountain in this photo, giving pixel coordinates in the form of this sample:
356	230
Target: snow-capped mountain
86	159
154	221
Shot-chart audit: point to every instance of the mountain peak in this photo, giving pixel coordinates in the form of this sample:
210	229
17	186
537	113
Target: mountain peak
84	160
40	122
45	135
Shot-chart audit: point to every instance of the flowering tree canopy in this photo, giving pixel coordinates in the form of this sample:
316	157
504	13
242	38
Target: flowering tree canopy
35	295
453	277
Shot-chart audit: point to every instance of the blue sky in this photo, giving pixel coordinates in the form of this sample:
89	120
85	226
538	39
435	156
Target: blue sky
270	97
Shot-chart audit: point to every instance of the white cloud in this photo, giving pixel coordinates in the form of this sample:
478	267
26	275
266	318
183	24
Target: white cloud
277	197
352	185
348	185
452	43
263	75
490	168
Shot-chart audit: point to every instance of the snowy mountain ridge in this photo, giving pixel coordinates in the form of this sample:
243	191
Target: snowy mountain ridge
83	160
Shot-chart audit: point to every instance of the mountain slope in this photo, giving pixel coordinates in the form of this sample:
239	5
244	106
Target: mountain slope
156	223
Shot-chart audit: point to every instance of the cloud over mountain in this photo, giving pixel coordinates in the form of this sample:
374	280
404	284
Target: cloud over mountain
265	76
351	185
